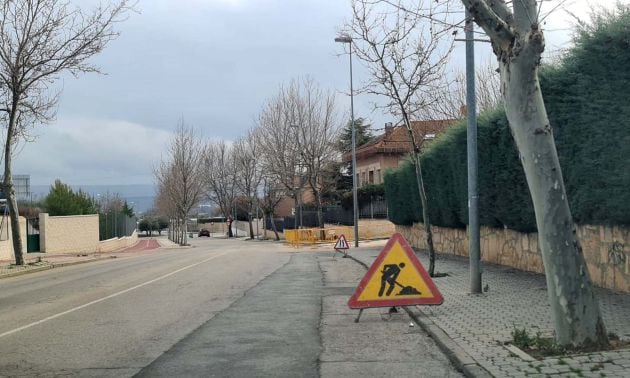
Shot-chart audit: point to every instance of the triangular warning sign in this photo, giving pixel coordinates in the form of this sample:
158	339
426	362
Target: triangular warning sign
396	278
342	243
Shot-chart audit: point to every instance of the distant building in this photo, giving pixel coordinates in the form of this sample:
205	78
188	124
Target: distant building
389	149
22	185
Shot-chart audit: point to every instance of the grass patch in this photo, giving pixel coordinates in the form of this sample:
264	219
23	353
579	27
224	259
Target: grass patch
540	347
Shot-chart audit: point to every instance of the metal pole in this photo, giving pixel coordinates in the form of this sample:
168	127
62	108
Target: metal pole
257	221
355	203
473	193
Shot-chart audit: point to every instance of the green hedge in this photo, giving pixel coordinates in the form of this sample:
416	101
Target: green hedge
586	95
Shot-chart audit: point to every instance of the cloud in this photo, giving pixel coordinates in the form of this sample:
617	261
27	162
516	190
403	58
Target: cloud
92	151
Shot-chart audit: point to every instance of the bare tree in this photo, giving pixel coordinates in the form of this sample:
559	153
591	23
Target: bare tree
182	175
279	142
318	125
40	39
406	54
249	176
518	42
220	170
449	100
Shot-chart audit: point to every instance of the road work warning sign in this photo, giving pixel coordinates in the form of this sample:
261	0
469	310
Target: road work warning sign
341	243
396	278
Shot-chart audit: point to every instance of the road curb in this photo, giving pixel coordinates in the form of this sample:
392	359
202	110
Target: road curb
48	267
26	271
455	353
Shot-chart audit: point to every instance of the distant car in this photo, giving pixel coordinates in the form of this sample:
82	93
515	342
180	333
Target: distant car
204	232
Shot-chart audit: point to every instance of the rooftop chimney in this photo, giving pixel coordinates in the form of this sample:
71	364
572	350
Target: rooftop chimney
388	128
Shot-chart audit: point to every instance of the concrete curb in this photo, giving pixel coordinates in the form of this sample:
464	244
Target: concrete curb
48	267
455	353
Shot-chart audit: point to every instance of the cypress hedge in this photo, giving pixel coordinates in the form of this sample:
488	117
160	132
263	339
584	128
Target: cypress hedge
586	94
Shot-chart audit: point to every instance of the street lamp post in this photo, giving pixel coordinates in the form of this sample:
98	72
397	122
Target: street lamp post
355	208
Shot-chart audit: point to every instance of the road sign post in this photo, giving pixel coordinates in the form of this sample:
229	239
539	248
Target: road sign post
341	246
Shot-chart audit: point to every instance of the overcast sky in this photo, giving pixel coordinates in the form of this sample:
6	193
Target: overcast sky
212	62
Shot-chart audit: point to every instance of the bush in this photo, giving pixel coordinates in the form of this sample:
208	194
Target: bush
586	98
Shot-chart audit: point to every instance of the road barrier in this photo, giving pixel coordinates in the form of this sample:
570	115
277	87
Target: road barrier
310	236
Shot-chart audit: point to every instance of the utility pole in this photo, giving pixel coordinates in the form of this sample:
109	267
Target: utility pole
473	191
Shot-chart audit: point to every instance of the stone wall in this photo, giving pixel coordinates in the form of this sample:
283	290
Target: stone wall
606	249
6	239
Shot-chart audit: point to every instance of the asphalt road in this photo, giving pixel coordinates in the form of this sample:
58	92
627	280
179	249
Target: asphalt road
115	317
225	308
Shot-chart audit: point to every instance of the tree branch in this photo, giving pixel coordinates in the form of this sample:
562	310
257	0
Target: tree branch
498	29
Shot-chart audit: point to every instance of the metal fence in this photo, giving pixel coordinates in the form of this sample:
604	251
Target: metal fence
115	225
373	209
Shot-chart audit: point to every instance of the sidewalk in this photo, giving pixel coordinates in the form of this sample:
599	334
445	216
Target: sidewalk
474	328
43	261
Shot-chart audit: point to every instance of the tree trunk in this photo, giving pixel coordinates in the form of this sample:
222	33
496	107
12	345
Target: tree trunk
574	307
264	222
185	231
297	209
251	227
423	195
425	213
273	226
320	215
9	190
320	211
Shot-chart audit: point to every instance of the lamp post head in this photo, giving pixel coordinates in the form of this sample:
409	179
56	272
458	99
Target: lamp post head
344	39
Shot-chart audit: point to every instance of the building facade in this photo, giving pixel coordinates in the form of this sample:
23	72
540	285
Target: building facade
388	150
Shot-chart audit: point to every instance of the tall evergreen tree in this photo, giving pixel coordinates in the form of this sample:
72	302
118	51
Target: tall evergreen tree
363	135
62	200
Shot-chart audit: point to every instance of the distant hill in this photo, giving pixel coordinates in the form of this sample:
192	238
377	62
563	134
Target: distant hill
142	196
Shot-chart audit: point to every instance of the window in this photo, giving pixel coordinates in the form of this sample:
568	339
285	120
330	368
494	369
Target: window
371	177
378	176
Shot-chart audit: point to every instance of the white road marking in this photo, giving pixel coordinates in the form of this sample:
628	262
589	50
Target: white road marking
108	297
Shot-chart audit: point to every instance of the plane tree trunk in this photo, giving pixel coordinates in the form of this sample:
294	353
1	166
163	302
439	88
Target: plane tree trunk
518	44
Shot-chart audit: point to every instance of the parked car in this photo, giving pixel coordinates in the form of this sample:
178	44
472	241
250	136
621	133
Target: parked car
204	232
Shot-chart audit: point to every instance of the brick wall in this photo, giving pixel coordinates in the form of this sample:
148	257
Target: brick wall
606	249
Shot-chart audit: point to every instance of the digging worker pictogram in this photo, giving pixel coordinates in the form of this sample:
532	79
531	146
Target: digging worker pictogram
389	276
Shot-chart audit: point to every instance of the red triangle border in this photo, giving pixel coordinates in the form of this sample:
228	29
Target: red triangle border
437	298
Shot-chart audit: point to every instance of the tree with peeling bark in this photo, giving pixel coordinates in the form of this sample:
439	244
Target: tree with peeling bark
405	49
518	43
39	40
181	175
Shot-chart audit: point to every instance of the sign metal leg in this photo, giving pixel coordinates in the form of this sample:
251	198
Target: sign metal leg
358	316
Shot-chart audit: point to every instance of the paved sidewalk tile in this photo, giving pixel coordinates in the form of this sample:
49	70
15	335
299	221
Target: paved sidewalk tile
481	324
